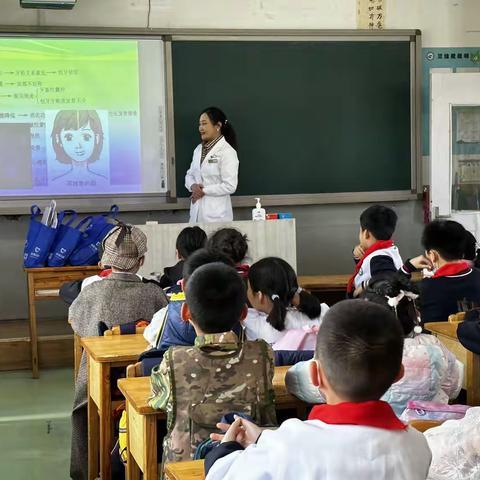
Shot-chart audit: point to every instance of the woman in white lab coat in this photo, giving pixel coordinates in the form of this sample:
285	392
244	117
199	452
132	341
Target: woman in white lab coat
213	173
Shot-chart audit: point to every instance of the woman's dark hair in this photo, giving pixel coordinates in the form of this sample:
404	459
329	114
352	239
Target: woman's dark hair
230	242
275	277
217	116
391	286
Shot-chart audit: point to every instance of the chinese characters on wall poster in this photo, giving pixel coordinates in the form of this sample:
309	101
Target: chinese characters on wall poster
371	14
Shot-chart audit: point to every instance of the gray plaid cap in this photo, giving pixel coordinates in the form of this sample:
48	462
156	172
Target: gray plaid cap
124	253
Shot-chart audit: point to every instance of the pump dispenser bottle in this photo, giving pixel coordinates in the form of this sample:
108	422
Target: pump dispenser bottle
258	213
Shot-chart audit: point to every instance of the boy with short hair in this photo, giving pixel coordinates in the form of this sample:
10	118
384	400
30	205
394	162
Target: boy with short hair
355	435
453	280
376	253
197	385
189	240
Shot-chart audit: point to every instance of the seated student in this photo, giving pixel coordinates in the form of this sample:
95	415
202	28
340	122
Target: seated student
453	280
189	240
471	250
376	254
167	327
284	315
355	435
197	385
468	332
431	371
69	291
455	447
234	245
120	298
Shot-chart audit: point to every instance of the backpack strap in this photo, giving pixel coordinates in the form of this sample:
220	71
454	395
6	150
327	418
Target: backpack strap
35	211
267	359
161	330
69	213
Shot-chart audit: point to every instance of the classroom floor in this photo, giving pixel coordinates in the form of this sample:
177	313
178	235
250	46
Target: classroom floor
35	424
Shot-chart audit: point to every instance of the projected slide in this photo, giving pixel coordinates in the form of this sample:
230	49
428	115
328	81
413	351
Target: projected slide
71	117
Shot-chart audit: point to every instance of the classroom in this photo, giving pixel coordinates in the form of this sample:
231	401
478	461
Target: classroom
246	227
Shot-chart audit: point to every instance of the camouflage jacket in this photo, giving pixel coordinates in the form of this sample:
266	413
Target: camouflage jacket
197	385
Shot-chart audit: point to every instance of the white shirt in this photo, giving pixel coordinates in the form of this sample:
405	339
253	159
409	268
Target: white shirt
314	450
256	325
151	330
219	176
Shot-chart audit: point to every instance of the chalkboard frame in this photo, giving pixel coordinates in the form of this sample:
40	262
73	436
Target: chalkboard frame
414	39
169	201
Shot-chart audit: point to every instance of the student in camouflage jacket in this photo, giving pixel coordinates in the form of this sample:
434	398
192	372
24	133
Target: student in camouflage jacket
197	385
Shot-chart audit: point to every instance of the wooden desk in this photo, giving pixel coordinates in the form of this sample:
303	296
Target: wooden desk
319	283
142	422
446	332
331	289
192	470
104	353
44	284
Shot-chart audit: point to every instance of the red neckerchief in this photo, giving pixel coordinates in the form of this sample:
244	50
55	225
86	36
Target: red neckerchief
105	273
374	413
378	245
452	269
243	270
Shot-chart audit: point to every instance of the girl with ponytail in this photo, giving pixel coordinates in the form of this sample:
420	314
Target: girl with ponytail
283	314
213	173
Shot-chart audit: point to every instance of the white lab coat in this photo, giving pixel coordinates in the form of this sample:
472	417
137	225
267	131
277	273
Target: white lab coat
315	450
219	176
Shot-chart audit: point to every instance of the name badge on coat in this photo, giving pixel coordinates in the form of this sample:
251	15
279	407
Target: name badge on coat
213	159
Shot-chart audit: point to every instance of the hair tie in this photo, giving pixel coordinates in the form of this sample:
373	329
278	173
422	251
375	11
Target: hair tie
225	122
274	297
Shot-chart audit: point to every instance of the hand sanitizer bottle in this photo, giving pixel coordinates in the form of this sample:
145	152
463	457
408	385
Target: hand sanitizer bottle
258	213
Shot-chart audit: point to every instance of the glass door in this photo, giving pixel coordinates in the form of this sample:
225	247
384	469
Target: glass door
455	148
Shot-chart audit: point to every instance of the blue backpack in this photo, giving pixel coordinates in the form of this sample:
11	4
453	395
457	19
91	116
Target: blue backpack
87	251
66	240
39	240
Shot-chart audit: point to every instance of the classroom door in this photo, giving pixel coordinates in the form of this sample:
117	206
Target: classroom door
455	148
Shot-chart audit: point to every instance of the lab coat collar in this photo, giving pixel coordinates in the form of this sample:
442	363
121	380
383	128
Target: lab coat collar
214	149
374	413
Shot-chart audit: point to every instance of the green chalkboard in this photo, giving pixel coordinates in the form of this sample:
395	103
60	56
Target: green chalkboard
310	117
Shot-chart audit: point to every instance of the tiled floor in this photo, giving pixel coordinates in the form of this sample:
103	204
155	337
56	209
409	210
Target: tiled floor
35	424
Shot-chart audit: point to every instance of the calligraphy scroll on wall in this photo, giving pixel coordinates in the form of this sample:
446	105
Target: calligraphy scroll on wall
371	14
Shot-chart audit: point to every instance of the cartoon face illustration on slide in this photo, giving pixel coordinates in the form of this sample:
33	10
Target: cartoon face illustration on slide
78	140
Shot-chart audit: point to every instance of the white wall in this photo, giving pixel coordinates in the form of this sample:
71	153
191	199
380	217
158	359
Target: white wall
452	23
